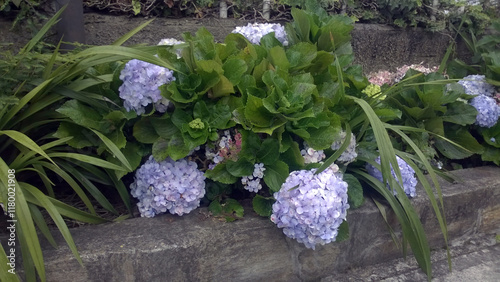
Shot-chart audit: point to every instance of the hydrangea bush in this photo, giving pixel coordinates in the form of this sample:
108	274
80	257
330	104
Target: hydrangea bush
280	115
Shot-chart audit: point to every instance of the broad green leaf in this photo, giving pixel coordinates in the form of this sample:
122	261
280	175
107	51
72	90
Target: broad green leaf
275	175
256	113
145	132
79	140
460	113
234	68
343	232
277	57
220	174
301	55
81	114
263	206
354	191
239	168
269	151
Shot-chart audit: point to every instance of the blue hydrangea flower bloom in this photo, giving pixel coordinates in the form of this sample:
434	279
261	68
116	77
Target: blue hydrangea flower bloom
174	186
254	32
140	86
487	110
349	155
310	208
252	182
477	85
407	174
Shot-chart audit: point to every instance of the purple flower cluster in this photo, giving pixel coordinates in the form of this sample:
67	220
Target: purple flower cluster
485	101
254	32
407	174
488	110
140	86
252	182
477	85
172	42
310	207
310	155
174	186
349	155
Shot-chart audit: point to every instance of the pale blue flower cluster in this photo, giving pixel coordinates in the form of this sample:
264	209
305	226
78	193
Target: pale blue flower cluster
477	85
310	155
254	32
407	174
174	186
252	182
488	110
140	86
349	155
172	42
310	207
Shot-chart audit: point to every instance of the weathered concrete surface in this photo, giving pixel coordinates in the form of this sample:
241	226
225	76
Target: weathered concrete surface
198	247
375	47
475	259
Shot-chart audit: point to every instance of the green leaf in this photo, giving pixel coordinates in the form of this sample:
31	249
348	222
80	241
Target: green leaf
233	207
114	150
462	137
301	24
145	132
323	137
275	175
219	173
234	68
240	168
460	113
269	151
81	114
354	191
277	57
79	139
223	88
343	232
263	206
301	55
256	113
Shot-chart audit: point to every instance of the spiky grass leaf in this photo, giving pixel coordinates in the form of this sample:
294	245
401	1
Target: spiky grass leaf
55	215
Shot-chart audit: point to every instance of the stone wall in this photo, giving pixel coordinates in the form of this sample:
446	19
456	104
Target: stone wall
200	247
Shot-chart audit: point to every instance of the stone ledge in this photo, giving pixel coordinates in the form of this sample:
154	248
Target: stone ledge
197	247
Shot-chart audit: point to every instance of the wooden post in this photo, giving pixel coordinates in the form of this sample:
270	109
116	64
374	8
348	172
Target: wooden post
70	27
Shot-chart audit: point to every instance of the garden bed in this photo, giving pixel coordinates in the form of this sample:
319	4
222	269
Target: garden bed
200	247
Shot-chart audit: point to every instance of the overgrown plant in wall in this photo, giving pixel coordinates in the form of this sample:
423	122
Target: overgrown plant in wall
268	120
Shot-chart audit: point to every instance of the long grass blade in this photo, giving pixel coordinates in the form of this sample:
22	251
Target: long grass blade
55	215
88	159
8	117
27	142
114	149
5	275
131	33
41	224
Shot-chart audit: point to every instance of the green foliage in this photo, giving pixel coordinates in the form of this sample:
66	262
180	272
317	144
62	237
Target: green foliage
37	141
485	60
